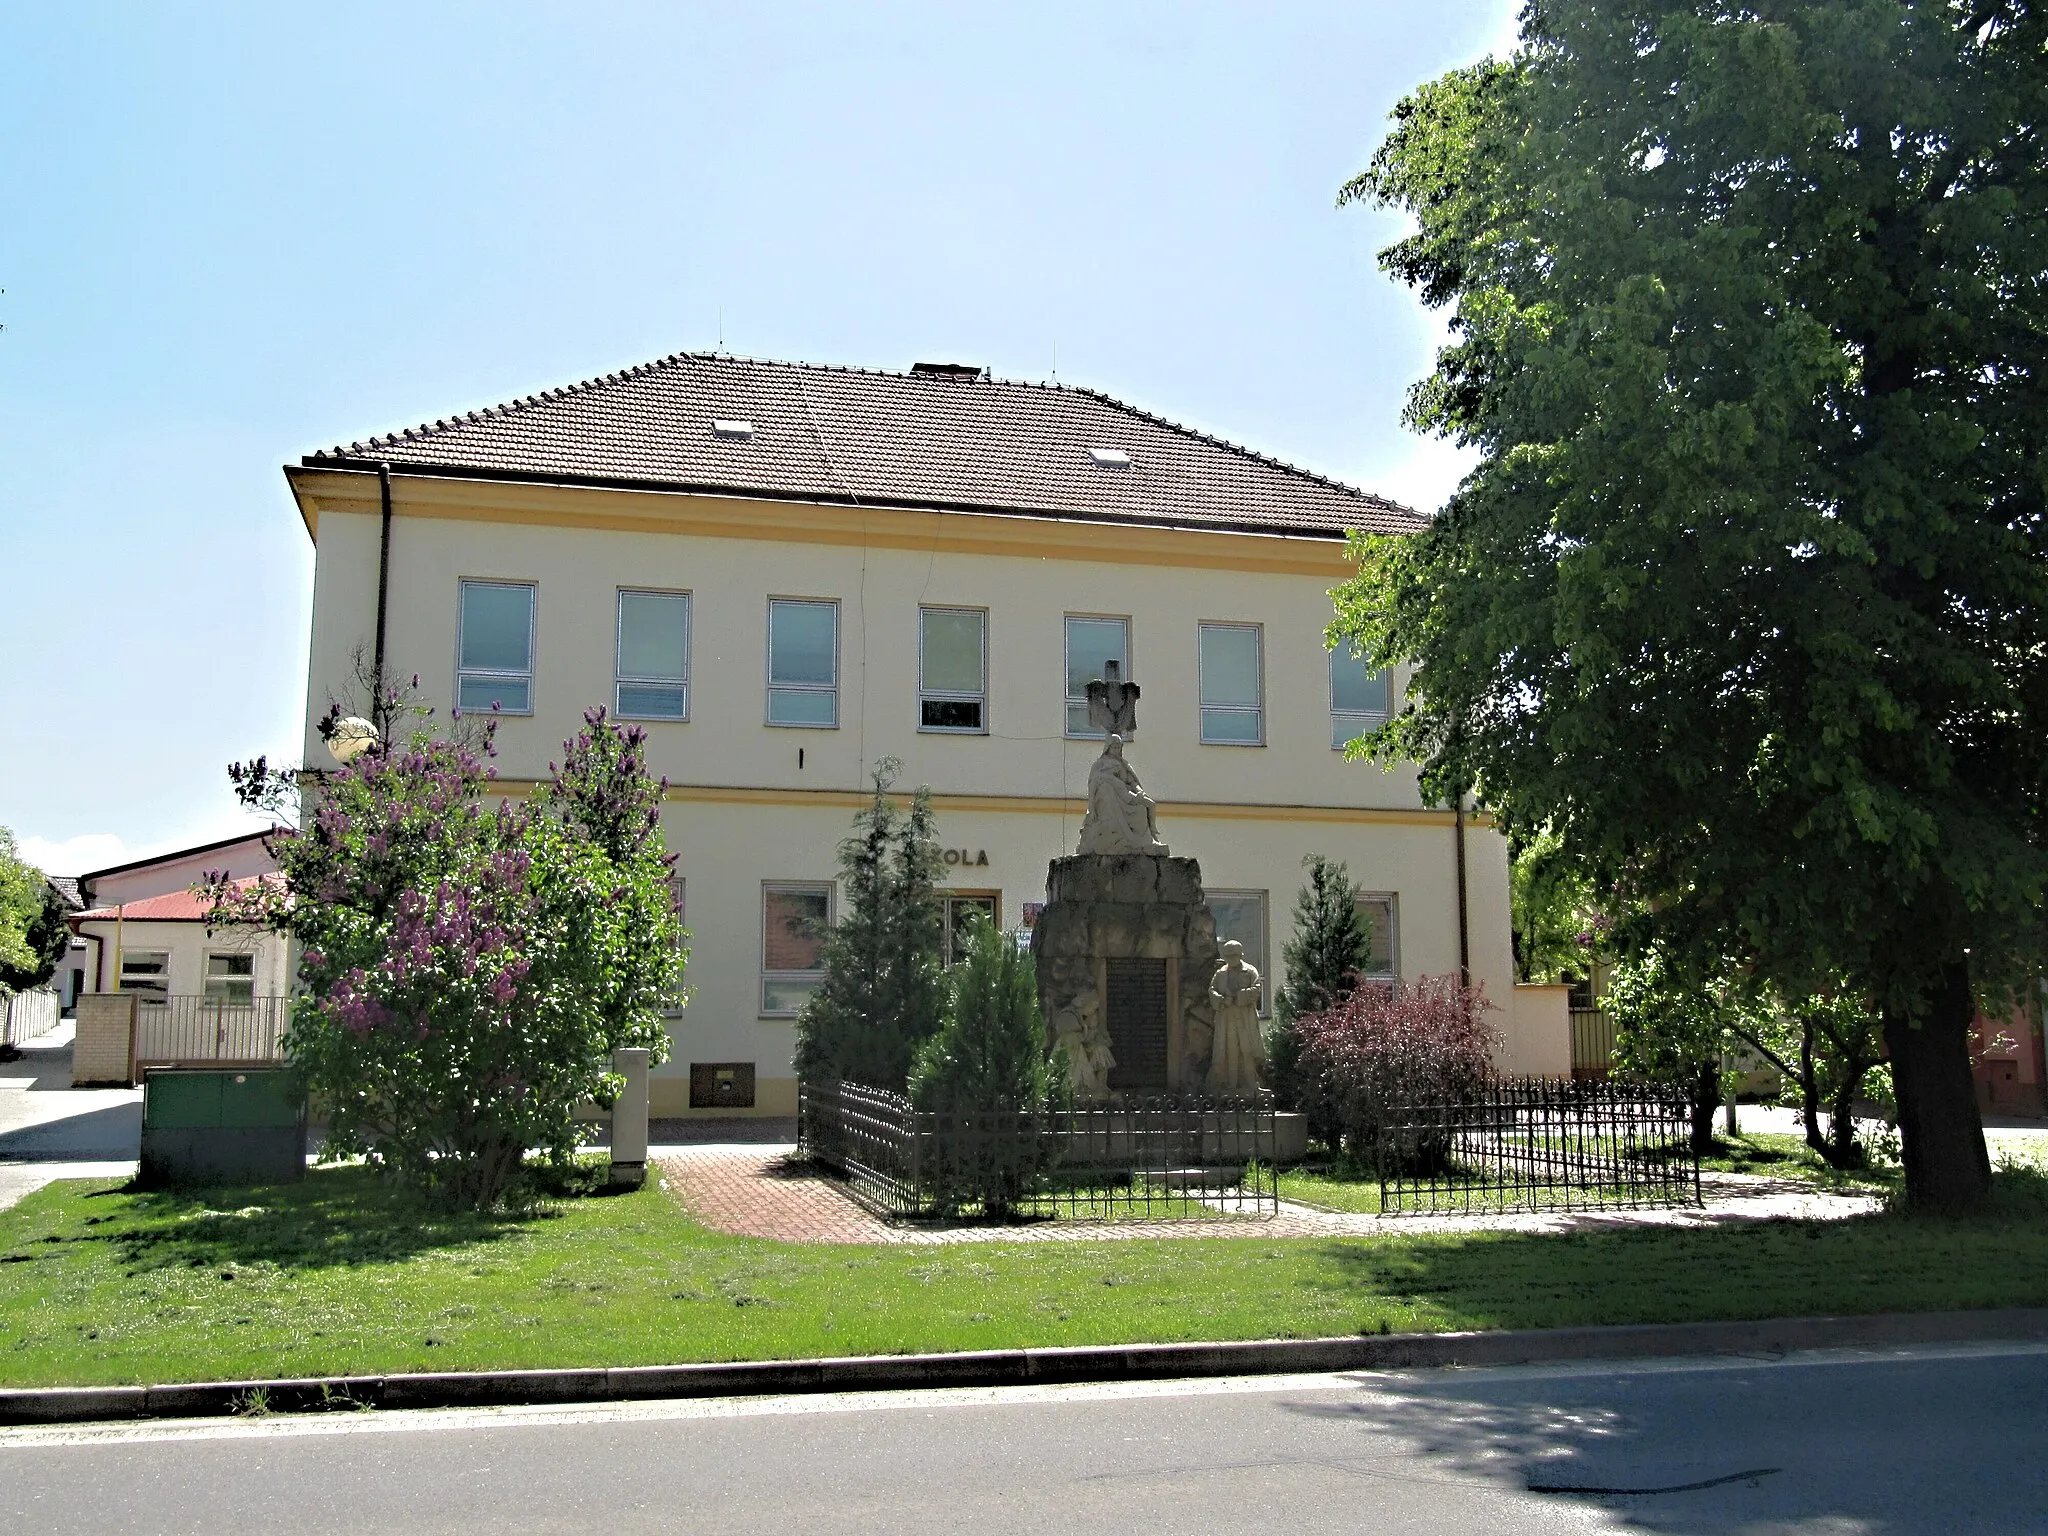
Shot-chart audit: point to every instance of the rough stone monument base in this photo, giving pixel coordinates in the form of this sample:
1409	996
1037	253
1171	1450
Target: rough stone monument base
1131	937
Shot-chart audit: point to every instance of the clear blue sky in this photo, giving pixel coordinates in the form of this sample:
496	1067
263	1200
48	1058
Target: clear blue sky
234	234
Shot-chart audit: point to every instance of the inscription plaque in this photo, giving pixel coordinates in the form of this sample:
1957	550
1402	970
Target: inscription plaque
1137	1025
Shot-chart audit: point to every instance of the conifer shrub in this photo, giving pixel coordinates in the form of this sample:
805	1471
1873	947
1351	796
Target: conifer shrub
988	1080
1331	944
884	987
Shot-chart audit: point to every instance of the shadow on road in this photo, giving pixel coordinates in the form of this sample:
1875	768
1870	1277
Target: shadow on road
1829	1443
113	1132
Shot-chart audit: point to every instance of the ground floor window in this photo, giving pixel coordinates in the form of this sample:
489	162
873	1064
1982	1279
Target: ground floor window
1381	913
961	906
231	979
1241	915
147	971
794	918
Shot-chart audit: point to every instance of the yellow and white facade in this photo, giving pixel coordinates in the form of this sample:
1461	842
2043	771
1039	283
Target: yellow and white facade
756	809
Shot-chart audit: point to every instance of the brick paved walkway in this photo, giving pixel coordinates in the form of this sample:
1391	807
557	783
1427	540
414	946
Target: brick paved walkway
768	1192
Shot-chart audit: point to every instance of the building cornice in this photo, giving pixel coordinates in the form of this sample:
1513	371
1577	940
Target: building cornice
709	514
1070	806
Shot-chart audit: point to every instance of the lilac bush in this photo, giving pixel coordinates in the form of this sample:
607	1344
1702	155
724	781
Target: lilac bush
469	965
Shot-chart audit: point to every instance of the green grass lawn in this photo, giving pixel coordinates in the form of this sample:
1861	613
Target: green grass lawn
341	1275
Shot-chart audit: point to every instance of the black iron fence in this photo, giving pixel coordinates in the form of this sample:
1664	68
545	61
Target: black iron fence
1541	1143
1134	1159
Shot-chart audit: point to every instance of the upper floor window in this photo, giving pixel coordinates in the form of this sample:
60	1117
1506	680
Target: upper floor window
952	669
1359	696
653	680
1091	644
1233	700
803	662
494	649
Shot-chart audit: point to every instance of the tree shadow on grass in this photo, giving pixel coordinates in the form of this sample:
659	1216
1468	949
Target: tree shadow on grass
335	1218
1895	1261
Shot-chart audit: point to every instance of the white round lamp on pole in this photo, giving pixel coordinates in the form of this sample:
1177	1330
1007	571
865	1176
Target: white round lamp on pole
351	738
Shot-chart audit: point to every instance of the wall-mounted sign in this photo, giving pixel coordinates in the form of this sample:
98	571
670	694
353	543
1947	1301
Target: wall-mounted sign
978	859
1031	911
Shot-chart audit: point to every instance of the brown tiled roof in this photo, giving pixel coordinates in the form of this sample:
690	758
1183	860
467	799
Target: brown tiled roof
928	441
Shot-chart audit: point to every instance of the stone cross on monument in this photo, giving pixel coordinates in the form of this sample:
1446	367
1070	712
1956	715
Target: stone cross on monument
1113	703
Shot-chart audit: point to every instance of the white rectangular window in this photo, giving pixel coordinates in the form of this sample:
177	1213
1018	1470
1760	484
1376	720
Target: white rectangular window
803	662
653	678
1380	913
1359	696
147	971
1233	694
1092	643
494	648
231	979
1241	915
793	922
952	669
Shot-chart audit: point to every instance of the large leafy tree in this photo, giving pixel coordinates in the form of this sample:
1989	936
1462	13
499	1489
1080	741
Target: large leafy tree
33	930
1747	595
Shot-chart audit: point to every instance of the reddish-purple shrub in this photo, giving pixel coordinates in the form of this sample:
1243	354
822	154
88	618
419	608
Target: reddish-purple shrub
1389	1045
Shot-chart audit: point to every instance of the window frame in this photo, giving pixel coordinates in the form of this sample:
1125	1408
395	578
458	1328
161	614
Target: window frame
620	679
207	978
768	888
1361	720
1393	901
947	901
1203	707
772	687
949	696
1265	956
159	982
1069	702
532	590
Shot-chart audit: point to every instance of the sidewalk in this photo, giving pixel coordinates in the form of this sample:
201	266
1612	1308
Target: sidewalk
50	1130
766	1192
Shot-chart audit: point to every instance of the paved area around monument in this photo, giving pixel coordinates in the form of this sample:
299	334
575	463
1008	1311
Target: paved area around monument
757	1191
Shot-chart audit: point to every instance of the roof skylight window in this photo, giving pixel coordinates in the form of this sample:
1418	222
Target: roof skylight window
1110	458
733	429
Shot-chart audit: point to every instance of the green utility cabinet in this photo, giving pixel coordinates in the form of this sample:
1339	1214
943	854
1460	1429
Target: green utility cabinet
214	1125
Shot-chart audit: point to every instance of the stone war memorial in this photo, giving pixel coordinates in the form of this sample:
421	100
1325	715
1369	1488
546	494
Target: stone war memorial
1130	975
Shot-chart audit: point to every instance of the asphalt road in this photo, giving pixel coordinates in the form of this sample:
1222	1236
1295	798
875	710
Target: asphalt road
1946	1440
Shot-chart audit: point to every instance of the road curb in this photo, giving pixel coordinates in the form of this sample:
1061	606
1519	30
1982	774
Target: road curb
1018	1367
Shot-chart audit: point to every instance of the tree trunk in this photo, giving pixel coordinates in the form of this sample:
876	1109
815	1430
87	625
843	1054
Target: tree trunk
1809	1089
1948	1168
1706	1098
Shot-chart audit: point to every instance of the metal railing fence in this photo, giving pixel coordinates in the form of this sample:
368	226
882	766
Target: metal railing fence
174	1030
1593	1036
1541	1144
26	1015
1136	1159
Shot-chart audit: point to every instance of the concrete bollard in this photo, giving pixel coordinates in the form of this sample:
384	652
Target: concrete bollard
629	1119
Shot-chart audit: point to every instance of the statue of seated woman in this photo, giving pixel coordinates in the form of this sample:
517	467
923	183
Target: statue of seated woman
1120	815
